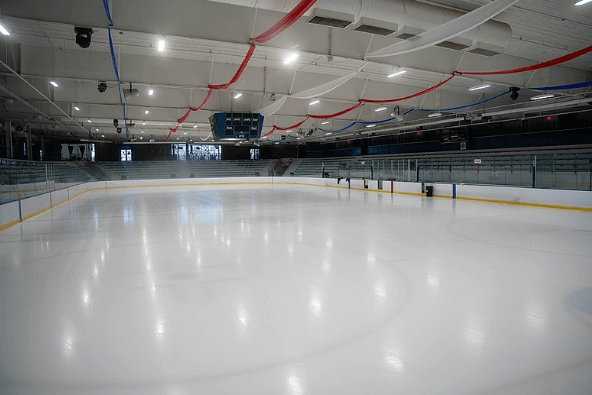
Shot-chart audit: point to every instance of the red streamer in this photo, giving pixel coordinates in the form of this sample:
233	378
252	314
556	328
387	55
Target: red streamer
549	63
411	96
337	113
271	132
184	117
285	22
238	72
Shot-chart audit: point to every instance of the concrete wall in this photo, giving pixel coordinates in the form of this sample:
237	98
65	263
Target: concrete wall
9	212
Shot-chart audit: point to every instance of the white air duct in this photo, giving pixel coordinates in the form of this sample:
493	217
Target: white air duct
410	17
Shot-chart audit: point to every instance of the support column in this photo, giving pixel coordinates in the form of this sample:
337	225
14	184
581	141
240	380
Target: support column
9	150
29	145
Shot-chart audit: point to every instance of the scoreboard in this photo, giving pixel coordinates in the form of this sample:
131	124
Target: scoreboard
236	126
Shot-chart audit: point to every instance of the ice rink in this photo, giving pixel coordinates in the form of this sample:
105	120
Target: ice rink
295	290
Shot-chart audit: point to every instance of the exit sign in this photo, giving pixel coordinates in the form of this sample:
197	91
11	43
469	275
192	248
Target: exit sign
477	161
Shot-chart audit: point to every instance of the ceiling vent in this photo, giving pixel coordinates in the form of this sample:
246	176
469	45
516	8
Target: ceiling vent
406	32
484	52
374	26
331	18
451	45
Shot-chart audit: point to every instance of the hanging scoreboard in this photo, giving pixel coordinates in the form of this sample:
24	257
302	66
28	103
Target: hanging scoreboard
236	126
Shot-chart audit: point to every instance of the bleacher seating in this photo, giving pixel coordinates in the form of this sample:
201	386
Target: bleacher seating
313	168
185	169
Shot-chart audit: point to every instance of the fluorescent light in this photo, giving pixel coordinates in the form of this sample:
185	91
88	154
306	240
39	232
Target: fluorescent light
185	134
581	2
54	83
150	92
88	120
97	129
396	73
177	138
324	123
5	32
371	125
195	126
161	44
237	95
142	131
313	102
143	123
146	112
479	87
141	137
328	133
288	131
76	108
380	109
434	114
292	56
102	135
544	96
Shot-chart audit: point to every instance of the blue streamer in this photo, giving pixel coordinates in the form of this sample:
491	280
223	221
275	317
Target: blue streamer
114	61
560	87
460	107
340	130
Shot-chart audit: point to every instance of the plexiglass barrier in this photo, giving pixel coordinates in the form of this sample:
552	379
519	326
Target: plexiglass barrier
555	171
20	179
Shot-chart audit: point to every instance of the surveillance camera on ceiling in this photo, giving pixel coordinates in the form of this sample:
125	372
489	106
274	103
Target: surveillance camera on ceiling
115	123
83	36
118	130
102	86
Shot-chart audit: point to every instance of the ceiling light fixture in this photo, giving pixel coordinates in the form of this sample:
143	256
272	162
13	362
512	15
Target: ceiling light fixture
396	73
4	31
435	114
195	126
142	131
76	108
371	125
324	123
292	56
141	137
102	135
313	102
237	95
97	129
288	131
578	2
185	134
379	109
143	123
147	112
479	87
328	133
54	83
161	44
150	92
89	120
542	97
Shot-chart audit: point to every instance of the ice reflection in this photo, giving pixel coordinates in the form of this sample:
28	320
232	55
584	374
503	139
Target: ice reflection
128	215
393	360
295	385
159	329
535	316
316	306
474	333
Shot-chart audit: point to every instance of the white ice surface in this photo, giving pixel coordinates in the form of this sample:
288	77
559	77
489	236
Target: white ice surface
294	290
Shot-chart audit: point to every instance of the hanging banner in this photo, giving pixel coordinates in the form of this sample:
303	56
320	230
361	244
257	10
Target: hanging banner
446	31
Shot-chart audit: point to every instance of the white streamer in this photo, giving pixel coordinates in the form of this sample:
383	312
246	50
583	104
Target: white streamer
446	31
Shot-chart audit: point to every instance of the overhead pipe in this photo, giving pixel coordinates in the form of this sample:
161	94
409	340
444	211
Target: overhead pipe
46	98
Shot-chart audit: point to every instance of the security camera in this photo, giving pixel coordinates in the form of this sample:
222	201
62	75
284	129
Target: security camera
115	123
83	36
118	130
102	87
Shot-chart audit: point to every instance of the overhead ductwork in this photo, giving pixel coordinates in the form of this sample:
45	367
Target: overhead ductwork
394	18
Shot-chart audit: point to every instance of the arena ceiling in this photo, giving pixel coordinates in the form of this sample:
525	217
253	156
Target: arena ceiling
206	41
